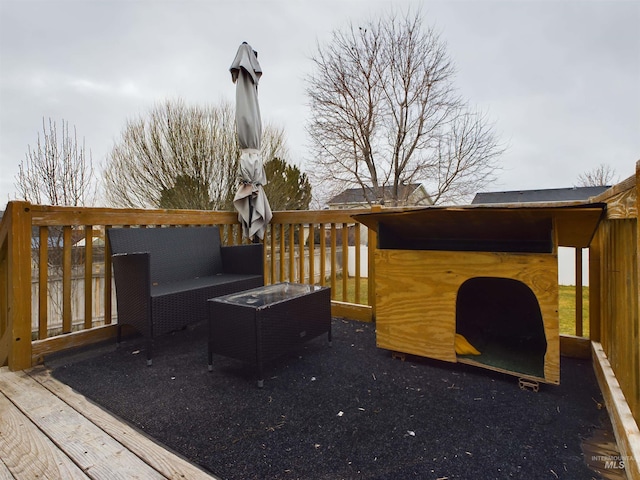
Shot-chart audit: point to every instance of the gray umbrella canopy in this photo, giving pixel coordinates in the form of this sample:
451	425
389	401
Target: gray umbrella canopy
250	201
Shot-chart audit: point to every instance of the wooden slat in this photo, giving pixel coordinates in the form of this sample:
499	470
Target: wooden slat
578	292
26	452
66	280
333	260
301	253
282	251
292	254
93	450
88	276
345	261
43	282
323	255
312	254
357	262
168	464
107	279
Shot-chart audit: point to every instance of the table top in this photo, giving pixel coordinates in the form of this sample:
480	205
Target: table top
269	294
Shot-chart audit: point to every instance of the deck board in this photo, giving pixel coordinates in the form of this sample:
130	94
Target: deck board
49	431
166	462
27	452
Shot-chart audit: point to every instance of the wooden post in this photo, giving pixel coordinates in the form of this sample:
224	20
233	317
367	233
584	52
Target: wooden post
371	283
595	254
578	293
19	285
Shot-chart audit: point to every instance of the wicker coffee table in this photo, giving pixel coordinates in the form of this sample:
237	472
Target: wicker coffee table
261	324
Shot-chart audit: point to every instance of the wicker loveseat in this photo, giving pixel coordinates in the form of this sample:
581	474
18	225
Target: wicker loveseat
164	276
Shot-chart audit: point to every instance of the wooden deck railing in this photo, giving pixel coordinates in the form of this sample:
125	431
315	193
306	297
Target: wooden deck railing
56	289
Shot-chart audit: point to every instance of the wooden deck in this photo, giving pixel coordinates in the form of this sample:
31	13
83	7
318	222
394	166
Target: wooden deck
47	430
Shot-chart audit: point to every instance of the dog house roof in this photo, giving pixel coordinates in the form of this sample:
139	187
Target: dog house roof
574	224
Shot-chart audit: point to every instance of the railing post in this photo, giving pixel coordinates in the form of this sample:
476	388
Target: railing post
371	281
19	286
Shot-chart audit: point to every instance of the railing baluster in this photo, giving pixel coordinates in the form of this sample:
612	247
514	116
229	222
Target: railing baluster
282	251
301	253
357	262
107	278
88	276
312	254
292	253
43	281
345	261
333	260
323	255
66	280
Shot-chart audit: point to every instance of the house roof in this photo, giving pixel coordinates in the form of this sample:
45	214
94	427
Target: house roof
545	195
360	196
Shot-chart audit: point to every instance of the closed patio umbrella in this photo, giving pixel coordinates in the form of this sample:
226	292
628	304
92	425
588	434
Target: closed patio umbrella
250	200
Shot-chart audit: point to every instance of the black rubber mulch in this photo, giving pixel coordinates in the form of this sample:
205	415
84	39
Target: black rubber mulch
347	411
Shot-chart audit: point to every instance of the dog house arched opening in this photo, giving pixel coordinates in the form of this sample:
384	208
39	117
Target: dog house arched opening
501	318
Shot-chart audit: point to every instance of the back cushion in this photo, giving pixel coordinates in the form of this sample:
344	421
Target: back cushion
177	253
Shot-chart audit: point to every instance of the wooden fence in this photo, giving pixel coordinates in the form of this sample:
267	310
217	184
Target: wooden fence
614	316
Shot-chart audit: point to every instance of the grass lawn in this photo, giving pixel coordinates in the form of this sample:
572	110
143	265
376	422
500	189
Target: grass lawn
566	311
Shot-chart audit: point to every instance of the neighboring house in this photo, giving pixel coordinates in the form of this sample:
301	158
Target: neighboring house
415	194
544	195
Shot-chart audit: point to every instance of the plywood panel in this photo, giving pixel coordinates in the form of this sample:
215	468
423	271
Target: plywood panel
414	314
416	295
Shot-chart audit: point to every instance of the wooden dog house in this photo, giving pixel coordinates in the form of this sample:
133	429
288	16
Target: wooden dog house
489	273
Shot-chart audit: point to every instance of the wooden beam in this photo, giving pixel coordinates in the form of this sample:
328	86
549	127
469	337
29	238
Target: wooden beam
351	311
76	339
595	288
625	427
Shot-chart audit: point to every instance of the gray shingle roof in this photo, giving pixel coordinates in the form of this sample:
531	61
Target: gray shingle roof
357	195
544	195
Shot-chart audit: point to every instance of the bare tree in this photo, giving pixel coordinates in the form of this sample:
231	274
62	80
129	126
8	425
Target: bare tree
602	175
385	113
58	170
180	156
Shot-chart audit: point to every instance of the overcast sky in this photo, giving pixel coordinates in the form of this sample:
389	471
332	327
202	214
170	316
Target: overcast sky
560	79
